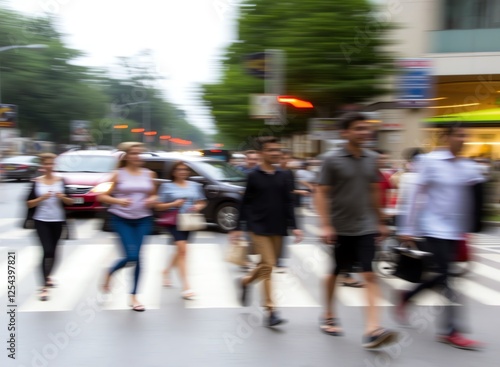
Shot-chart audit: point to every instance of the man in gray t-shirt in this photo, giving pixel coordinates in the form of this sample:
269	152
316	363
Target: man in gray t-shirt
348	199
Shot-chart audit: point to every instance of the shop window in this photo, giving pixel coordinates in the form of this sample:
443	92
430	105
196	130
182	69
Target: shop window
471	14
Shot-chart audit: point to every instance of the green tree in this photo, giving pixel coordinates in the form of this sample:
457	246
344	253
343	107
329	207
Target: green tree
335	55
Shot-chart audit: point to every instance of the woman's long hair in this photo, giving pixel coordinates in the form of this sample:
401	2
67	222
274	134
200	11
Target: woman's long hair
126	147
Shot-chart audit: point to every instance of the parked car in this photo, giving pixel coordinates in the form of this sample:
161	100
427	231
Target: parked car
223	184
22	167
87	174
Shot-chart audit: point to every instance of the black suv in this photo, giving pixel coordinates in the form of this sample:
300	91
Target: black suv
223	184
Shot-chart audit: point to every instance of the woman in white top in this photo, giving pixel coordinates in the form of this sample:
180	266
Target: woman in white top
46	202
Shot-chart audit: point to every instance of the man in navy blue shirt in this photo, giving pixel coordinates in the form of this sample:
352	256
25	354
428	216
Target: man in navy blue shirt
267	209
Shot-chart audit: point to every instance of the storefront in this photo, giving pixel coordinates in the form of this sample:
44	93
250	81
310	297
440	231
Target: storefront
483	128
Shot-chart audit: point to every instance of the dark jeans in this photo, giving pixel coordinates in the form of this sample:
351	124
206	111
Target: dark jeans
131	233
49	234
444	252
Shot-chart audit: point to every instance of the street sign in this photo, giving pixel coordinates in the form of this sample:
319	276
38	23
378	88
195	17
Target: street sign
255	64
415	83
8	115
264	106
323	129
80	131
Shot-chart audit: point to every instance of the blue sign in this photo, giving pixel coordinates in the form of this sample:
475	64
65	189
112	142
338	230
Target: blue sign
415	83
255	64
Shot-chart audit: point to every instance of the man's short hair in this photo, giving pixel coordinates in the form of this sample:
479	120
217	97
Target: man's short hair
248	152
450	130
262	141
350	118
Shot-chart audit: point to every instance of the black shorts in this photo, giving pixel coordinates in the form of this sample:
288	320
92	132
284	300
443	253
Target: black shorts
178	235
353	251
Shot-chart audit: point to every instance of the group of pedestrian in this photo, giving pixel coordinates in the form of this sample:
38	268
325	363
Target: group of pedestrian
132	198
348	199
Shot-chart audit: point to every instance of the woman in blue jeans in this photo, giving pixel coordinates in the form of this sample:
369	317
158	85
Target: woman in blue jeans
131	197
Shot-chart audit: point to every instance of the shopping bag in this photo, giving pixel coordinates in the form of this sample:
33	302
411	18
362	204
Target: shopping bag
191	222
463	252
411	264
237	253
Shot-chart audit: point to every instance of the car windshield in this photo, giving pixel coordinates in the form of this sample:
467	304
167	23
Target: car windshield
19	159
222	171
85	163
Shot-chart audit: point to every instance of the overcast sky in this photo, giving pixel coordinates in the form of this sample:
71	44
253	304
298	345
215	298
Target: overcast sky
186	36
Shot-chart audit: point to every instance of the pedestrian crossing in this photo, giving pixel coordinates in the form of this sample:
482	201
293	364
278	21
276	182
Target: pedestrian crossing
81	269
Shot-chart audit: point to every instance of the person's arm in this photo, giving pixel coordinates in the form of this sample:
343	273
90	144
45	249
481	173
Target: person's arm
415	190
152	199
248	196
164	204
106	197
33	200
200	201
323	201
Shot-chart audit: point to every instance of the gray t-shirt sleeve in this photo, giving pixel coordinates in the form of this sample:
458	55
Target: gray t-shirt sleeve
328	175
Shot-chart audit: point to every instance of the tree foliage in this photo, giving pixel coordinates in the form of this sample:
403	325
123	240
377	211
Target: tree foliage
335	55
51	90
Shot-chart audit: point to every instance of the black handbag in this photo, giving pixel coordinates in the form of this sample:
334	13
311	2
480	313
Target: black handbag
411	264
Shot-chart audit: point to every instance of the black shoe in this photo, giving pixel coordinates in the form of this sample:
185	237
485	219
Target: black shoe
274	319
380	338
244	299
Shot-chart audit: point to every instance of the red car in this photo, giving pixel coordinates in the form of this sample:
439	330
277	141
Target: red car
87	174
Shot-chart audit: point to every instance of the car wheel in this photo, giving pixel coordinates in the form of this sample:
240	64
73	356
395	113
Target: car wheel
226	216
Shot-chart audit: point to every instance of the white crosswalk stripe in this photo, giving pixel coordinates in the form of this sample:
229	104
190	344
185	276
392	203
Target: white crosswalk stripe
82	267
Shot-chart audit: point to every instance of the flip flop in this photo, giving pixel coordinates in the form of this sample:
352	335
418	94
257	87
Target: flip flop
44	297
188	295
329	322
167	283
138	308
354	284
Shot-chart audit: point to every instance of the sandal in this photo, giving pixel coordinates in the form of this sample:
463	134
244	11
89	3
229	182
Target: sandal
379	337
51	284
188	295
167	283
354	284
44	295
138	308
329	323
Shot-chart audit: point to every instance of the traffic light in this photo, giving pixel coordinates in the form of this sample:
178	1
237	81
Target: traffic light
295	102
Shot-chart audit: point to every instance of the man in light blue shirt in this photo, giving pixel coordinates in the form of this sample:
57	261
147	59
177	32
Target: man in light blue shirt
444	218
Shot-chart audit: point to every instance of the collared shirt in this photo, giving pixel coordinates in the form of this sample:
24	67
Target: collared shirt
351	179
268	206
446	182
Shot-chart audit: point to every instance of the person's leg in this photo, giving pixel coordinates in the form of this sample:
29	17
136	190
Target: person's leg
56	229
434	246
44	235
281	252
182	264
365	248
125	231
265	248
142	227
343	257
374	336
